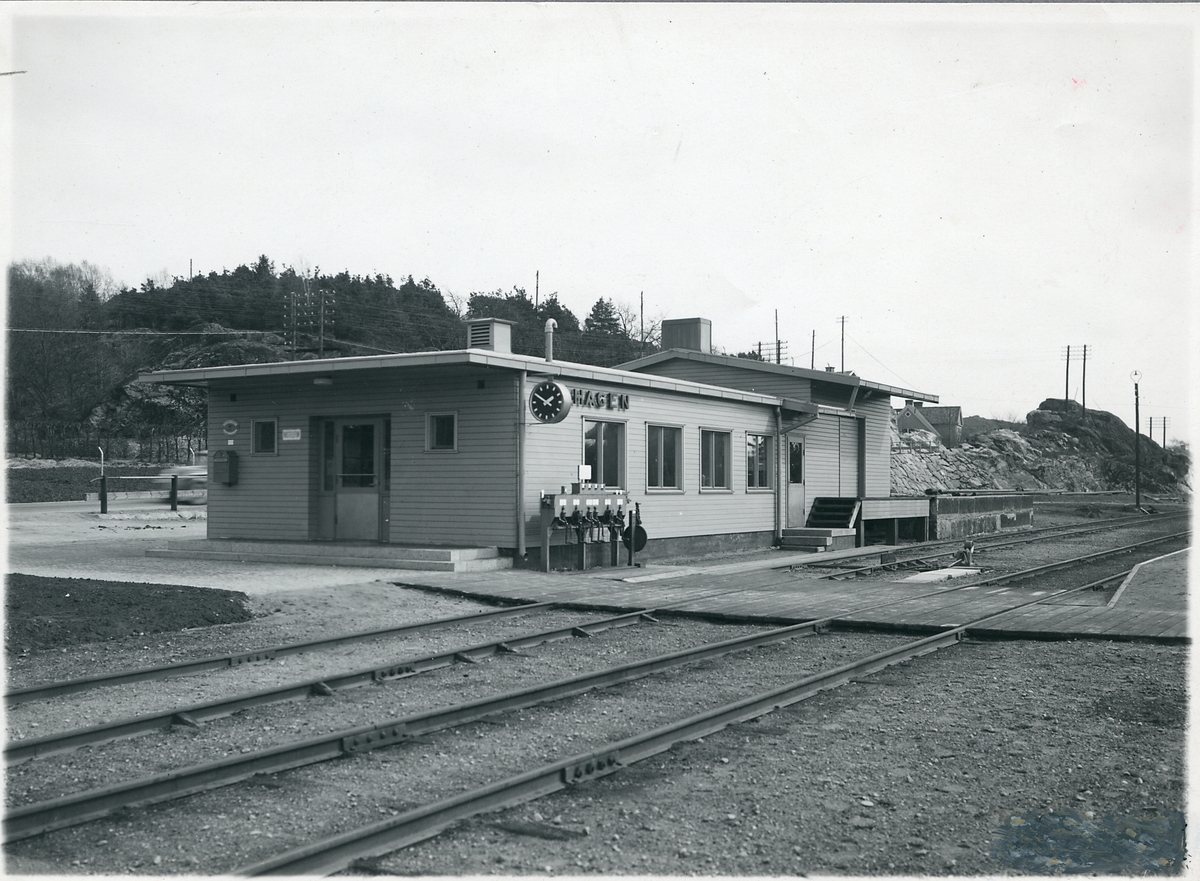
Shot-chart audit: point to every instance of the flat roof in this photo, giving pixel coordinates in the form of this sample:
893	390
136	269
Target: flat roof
848	379
202	377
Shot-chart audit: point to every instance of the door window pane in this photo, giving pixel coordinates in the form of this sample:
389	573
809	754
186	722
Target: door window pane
328	461
796	462
358	456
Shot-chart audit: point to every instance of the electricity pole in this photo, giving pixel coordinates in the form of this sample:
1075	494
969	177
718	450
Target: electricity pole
1137	443
842	321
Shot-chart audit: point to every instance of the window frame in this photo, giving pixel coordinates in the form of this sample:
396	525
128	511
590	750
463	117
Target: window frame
728	463
430	432
622	463
254	424
679	458
768	455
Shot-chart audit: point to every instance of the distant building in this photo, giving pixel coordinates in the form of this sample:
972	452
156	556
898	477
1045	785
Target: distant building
946	422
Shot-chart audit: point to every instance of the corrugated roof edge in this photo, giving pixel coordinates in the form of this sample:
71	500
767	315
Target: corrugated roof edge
768	367
202	376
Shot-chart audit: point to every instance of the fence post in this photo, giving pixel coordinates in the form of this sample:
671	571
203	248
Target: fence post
174	492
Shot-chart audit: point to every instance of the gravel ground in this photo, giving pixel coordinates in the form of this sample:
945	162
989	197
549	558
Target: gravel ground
985	758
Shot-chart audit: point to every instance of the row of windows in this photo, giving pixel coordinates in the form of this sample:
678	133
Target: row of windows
604	443
604	452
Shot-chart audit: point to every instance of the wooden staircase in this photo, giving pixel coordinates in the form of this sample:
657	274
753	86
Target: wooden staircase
833	513
830	527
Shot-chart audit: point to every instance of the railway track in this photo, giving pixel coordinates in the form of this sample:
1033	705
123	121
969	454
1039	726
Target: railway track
33	819
16	696
922	556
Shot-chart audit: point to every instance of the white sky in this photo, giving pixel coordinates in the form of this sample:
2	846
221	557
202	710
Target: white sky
974	188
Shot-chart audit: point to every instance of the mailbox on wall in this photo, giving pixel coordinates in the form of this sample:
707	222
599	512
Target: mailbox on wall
225	467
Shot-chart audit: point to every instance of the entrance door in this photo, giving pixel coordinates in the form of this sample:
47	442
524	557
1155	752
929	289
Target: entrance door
357	456
795	493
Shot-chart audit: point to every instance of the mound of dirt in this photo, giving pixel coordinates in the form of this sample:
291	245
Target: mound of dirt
42	613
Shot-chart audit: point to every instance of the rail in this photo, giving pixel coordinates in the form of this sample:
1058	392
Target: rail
53	744
339	852
183	668
36	818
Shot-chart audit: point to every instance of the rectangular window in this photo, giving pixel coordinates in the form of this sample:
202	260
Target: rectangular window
441	432
714	460
604	451
263	434
662	457
758	461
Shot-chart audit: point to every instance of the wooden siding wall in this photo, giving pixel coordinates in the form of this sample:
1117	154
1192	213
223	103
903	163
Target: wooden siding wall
826	445
466	496
553	453
469	496
877	408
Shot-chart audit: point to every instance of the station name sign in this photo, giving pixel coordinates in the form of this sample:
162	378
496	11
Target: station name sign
600	400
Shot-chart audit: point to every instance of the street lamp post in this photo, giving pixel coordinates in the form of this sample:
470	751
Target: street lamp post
1137	443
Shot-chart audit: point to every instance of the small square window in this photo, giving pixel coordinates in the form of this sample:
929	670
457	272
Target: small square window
442	432
263	432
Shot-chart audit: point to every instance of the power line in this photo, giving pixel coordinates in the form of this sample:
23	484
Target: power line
140	332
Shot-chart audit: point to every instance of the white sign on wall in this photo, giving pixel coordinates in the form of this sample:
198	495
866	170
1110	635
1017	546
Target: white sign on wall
290	434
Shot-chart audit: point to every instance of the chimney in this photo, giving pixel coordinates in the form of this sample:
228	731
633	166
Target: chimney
693	334
490	333
551	326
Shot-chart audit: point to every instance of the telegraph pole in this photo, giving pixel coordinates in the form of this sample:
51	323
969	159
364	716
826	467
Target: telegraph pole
1137	443
842	321
812	356
1084	405
1067	383
778	353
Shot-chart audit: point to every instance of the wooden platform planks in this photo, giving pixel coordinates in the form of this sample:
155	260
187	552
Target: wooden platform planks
783	595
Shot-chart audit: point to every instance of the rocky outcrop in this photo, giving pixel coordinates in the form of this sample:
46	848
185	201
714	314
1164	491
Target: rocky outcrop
1060	447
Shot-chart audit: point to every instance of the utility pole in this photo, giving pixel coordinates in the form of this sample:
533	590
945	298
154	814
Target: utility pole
537	277
1068	357
642	319
321	328
812	353
1067	384
1137	443
1084	405
778	353
842	321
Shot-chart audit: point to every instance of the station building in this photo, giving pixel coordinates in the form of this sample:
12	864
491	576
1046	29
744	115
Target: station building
469	448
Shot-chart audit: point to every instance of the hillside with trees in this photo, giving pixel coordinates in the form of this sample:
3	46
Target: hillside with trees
77	342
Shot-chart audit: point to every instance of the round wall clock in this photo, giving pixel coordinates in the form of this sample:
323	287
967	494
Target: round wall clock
550	401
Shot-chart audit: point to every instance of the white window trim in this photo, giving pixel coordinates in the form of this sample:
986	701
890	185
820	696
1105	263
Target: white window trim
679	466
429	417
729	469
254	423
770	487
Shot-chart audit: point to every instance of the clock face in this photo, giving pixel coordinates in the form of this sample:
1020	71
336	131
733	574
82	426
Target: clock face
549	401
